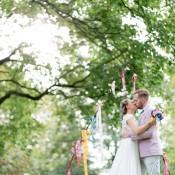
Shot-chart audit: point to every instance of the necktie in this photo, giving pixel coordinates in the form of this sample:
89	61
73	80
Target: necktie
141	111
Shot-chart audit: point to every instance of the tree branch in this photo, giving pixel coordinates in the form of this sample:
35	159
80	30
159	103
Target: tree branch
66	96
71	70
40	95
17	83
6	59
13	92
81	25
113	58
81	80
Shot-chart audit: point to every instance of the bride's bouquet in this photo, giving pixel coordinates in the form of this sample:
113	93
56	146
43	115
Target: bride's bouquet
158	114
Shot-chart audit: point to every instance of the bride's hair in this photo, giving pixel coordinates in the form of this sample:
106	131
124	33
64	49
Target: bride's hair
123	104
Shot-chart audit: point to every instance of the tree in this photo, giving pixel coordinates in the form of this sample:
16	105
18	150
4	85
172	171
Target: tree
135	35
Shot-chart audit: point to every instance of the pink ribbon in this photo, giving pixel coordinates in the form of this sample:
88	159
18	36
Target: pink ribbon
78	152
166	161
122	74
134	82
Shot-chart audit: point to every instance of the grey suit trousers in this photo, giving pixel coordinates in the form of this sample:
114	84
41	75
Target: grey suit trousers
151	165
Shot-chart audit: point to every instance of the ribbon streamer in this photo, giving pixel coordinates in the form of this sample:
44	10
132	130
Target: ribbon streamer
92	120
122	74
85	149
78	152
99	126
134	77
166	161
112	85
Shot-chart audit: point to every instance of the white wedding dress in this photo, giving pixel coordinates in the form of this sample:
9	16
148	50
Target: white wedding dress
127	161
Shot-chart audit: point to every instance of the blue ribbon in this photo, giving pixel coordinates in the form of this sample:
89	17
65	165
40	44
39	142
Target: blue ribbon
92	120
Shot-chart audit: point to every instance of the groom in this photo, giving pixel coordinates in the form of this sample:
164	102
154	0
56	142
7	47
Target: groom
149	143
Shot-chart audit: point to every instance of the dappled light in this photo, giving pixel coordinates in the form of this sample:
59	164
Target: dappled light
61	62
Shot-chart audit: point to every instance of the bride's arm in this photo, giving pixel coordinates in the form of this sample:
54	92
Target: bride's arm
140	129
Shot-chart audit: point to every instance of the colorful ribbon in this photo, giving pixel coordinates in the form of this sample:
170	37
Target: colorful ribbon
134	77
112	85
92	120
166	161
74	149
78	152
99	126
85	149
122	74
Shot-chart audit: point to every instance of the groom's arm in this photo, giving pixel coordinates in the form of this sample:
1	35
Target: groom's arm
149	132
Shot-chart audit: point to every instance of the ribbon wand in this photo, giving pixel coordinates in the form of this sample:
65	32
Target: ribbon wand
134	77
112	85
99	126
78	152
166	161
85	149
122	74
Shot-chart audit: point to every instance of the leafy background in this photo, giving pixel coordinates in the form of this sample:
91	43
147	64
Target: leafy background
47	95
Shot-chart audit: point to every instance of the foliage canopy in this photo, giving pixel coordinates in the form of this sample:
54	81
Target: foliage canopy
137	35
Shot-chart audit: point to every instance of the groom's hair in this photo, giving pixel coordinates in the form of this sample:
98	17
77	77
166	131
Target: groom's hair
142	93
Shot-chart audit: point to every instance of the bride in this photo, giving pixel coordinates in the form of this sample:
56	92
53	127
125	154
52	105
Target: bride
127	161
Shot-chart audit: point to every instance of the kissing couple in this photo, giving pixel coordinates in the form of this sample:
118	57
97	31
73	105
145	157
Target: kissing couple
140	148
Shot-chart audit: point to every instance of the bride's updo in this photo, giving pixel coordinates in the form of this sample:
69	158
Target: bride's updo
123	104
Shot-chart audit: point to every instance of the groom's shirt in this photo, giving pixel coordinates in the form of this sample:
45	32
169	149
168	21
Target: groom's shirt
149	142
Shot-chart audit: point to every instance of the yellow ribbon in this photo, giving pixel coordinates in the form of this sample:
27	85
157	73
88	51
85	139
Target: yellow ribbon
85	149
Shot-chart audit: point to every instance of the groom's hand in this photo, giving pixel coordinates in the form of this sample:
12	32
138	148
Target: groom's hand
155	112
152	120
126	134
158	114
